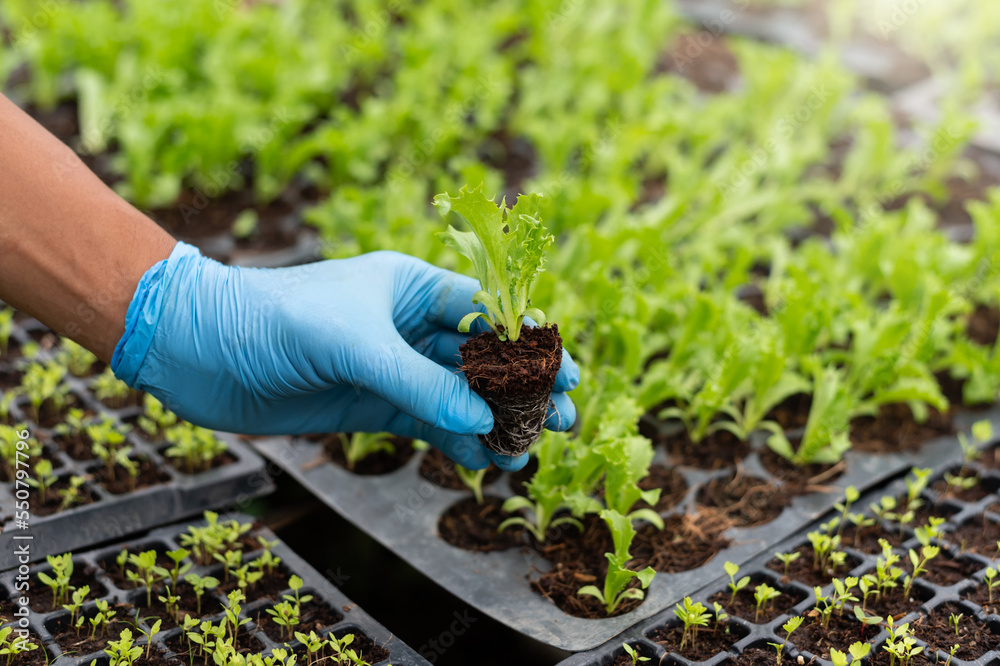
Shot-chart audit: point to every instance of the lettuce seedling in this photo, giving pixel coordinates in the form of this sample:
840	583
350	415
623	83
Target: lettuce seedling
75	357
156	418
360	445
507	251
615	592
197	447
44	478
473	480
825	439
633	654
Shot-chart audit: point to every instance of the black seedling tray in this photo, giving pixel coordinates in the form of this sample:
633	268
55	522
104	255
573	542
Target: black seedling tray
353	619
112	516
401	510
931	596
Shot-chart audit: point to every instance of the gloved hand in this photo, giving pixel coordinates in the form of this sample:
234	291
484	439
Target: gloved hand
362	344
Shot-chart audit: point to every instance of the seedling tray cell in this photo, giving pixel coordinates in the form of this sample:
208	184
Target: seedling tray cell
952	594
97	567
401	510
114	516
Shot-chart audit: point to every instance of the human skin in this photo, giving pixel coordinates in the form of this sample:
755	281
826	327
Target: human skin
71	250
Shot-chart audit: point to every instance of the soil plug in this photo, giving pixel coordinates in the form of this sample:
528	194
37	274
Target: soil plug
512	367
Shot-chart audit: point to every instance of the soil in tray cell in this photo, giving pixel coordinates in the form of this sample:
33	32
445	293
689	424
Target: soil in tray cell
796	479
381	462
802	570
53	500
990	458
895	604
48	415
671	484
149	475
977	535
745	606
866	538
41	595
37	657
842	631
708	641
77	446
974	638
271	586
894	429
9	379
437	468
755	656
745	500
87	640
792	412
179	464
313	616
716	451
118	574
947	491
368	650
471	526
980	595
187	604
686	542
945	570
188	653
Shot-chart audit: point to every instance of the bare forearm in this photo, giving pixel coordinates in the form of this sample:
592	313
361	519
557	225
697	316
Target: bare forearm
71	250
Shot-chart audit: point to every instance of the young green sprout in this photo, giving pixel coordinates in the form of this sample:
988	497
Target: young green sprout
851	496
764	595
79	598
692	615
633	654
44	478
169	602
982	432
919	562
177	556
123	652
734	585
951	653
720	617
74	357
153	631
992	580
195	447
72	494
473	480
101	619
616	581
146	572
360	445
789	626
201	584
15	647
109	389
58	581
900	645
786	559
858	651
954	620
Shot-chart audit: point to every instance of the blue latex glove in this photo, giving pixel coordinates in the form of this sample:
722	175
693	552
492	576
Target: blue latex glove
362	344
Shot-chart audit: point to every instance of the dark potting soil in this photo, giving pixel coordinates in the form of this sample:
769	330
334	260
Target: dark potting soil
179	464
37	657
245	644
983	325
80	644
893	429
974	638
945	570
866	539
41	595
746	500
978	535
196	216
671	484
53	502
437	468
314	616
514	156
973	494
561	584
381	462
471	526
715	451
981	595
746	607
686	541
792	412
131	399
78	446
922	515
894	604
269	587
800	479
149	475
9	379
516	480
515	379
802	569
186	605
706	644
119	577
49	416
755	657
990	458
843	630
711	66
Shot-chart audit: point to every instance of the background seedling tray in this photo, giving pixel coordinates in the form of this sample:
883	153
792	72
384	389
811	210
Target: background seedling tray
113	516
354	619
931	595
401	510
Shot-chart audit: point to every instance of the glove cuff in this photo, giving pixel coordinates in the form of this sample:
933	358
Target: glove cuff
144	312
